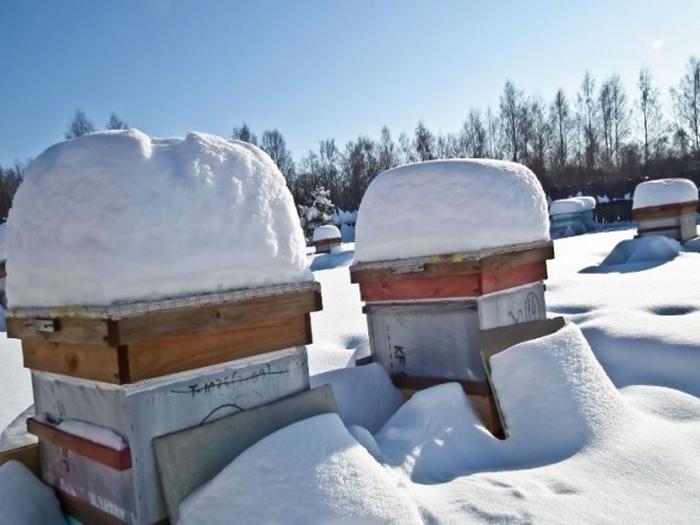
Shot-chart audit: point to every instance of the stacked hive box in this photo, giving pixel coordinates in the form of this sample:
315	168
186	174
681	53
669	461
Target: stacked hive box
170	342
666	207
250	341
427	313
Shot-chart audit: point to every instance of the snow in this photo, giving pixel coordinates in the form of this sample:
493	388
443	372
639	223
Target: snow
365	395
664	191
564	206
120	216
603	416
325	232
440	207
97	434
3	234
15	380
313	471
24	500
642	250
589	203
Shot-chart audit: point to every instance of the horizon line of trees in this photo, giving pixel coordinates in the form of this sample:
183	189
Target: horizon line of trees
601	135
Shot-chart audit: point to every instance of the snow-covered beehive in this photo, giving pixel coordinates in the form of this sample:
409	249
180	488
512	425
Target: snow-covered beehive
174	269
572	216
326	238
446	250
666	207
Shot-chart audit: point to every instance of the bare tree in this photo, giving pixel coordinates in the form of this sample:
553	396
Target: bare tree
273	143
424	142
243	133
493	134
540	135
388	155
115	122
79	126
407	149
473	139
587	120
360	166
560	117
650	116
512	115
686	98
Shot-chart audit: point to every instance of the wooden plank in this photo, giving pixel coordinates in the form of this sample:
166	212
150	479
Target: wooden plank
84	512
496	340
176	353
403	381
216	317
504	278
451	264
27	455
78	331
96	362
191	457
508	260
666	210
116	459
467	285
451	286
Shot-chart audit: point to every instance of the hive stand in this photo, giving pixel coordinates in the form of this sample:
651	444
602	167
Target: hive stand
143	370
677	221
425	314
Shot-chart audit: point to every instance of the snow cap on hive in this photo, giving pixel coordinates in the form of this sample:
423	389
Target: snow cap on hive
566	206
664	191
120	216
449	206
589	203
326	232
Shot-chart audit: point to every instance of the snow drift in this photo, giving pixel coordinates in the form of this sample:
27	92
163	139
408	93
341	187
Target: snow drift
118	216
651	248
449	206
313	471
24	500
664	191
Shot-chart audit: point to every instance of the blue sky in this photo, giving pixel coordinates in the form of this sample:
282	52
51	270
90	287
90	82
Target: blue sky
312	69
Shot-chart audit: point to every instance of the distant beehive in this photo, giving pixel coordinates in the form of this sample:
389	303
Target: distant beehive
666	207
429	316
572	216
326	238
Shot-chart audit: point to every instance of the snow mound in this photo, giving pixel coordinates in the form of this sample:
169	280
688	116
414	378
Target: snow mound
693	245
120	216
643	249
313	471
564	206
664	191
365	395
325	232
449	206
436	436
24	500
554	395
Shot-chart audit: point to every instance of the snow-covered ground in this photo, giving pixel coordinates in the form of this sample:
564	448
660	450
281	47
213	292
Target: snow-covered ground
604	421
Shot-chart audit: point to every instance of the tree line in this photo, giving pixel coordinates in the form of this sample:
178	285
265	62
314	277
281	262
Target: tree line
603	135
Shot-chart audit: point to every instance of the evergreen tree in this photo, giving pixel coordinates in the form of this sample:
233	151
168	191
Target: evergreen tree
116	123
318	212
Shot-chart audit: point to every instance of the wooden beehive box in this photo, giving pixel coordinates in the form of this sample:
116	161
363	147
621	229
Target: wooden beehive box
677	221
132	342
425	314
99	484
326	245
